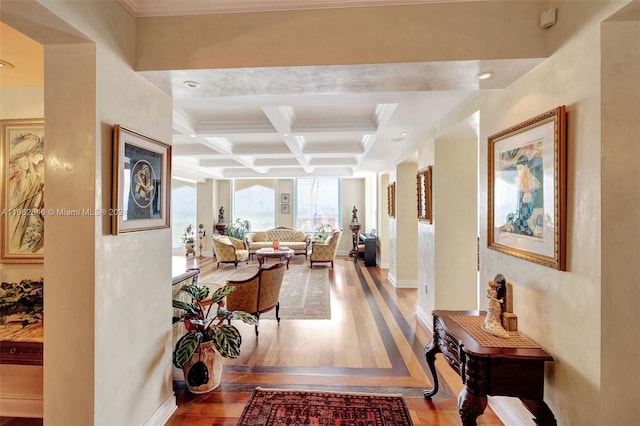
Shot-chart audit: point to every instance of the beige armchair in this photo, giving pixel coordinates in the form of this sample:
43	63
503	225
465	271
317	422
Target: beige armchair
258	294
325	251
230	250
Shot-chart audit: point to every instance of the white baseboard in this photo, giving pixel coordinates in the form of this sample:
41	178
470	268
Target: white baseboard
425	318
21	407
510	411
164	412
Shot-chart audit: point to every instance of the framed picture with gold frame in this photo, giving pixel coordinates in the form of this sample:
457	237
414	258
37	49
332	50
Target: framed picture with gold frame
423	188
141	187
391	200
22	180
527	193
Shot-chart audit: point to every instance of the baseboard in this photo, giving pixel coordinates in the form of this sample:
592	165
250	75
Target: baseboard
21	407
425	318
507	413
164	412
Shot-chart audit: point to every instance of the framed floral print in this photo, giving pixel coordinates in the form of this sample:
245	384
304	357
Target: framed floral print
527	190
22	211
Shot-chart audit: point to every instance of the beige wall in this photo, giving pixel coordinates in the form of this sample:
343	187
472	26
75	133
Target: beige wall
89	86
406	227
620	229
434	32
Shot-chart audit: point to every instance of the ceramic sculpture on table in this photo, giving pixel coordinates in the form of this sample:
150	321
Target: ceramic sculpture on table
493	321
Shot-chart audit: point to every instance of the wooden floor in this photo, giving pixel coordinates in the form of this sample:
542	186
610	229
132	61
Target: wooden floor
372	343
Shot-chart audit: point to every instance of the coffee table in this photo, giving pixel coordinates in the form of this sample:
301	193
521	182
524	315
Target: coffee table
269	253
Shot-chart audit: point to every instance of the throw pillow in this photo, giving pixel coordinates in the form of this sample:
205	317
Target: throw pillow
260	237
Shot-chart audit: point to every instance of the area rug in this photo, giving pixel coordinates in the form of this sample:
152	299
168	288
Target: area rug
280	407
305	292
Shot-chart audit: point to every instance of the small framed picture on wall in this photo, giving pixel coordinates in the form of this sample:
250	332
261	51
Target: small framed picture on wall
285	198
285	209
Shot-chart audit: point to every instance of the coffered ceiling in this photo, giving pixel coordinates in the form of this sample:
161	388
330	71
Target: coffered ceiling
339	120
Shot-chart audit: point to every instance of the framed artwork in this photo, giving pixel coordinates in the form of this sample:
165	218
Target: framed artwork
391	199
141	187
284	197
423	184
285	209
22	211
528	190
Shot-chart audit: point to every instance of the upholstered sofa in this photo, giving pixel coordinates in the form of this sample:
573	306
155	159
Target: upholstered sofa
296	240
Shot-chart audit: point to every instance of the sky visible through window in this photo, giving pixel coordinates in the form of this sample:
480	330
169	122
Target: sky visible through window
317	203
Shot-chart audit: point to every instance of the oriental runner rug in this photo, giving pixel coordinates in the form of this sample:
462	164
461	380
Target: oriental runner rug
280	407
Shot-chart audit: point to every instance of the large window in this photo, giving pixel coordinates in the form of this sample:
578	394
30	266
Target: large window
255	201
183	209
317	203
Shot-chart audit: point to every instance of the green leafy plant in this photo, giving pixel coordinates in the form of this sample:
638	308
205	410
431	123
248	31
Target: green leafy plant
322	232
238	228
203	326
188	235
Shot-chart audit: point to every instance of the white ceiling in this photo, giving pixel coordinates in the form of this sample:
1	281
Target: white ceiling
343	121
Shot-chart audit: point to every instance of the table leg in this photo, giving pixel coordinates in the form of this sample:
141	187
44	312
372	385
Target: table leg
541	411
470	406
288	259
430	352
260	260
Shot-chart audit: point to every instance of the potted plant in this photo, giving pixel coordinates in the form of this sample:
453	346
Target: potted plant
199	352
322	232
238	228
188	240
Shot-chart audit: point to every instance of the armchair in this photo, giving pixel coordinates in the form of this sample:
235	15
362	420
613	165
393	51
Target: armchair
230	250
258	294
325	251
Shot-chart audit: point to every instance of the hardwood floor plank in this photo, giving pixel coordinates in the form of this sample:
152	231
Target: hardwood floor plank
372	343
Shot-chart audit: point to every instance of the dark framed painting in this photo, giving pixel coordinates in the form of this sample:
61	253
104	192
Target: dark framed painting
22	211
285	208
391	200
527	193
423	188
141	187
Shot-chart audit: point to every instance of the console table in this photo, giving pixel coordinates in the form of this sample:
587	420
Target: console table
505	367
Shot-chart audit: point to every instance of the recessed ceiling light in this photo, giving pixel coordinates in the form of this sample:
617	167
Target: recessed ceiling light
191	84
285	134
404	134
193	136
5	64
484	75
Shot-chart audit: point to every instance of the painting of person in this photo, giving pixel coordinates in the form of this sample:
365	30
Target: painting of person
26	194
528	217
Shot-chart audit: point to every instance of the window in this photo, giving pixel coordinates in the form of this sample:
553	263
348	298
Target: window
255	200
183	209
317	203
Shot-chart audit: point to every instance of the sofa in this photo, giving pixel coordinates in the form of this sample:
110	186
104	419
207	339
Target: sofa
296	240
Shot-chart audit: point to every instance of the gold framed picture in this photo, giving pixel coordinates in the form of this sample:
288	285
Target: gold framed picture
423	188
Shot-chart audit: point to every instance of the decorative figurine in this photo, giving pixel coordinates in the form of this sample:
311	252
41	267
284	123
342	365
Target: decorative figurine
221	215
354	215
493	321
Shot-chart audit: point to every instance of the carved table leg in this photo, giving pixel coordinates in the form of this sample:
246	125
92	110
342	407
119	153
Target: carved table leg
470	406
430	352
541	411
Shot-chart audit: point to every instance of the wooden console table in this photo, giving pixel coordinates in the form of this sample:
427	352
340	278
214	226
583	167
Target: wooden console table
488	365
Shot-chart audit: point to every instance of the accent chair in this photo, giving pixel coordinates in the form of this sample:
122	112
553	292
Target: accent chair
258	294
230	250
325	251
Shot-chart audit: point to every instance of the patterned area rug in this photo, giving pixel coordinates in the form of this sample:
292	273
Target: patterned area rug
304	294
274	407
